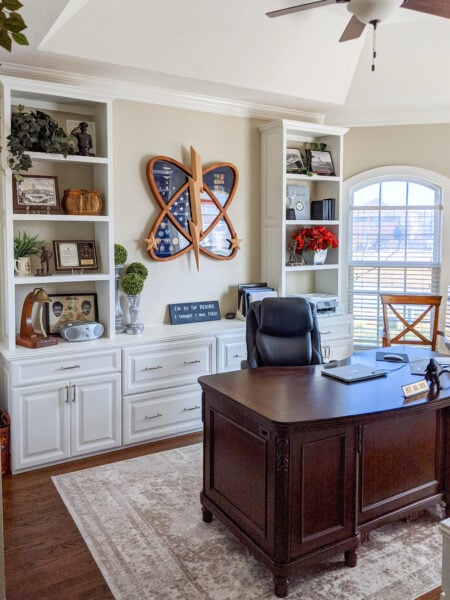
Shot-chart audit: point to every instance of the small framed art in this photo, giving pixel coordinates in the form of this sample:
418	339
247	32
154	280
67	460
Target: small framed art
321	162
36	194
69	307
294	162
75	255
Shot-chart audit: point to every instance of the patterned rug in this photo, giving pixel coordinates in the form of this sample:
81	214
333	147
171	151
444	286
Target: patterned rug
141	520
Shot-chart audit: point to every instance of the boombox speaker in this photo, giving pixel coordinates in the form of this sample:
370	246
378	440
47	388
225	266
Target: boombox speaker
80	331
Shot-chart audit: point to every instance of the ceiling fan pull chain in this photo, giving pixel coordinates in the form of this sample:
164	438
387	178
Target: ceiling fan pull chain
374	43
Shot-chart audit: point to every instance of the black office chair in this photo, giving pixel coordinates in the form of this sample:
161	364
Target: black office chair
282	332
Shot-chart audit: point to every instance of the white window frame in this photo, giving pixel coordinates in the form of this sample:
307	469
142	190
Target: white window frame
416	174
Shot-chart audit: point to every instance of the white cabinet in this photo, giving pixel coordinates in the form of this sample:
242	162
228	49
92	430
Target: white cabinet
60	410
161	395
231	351
336	336
277	229
65	104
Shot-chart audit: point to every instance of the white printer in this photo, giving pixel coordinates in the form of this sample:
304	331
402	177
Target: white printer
326	304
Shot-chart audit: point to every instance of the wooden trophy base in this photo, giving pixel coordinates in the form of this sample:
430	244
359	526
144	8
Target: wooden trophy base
37	341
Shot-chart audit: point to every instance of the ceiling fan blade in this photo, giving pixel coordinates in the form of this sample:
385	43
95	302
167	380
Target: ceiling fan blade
438	8
292	9
353	30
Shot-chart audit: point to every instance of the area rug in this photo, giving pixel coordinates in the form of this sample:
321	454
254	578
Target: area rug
141	520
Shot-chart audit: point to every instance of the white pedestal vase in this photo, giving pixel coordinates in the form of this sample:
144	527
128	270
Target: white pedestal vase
134	327
120	327
311	257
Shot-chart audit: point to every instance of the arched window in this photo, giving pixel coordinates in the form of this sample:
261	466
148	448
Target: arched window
394	233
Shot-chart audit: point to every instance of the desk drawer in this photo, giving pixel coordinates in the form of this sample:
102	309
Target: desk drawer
158	414
335	330
63	366
166	365
231	351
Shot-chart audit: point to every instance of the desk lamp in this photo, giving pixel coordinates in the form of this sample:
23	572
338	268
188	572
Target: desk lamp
27	336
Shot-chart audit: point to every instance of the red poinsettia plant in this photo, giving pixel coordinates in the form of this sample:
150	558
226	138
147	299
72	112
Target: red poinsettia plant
315	238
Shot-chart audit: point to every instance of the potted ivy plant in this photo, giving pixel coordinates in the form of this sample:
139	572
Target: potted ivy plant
34	131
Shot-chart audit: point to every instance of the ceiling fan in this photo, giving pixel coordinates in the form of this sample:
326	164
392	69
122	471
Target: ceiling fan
370	11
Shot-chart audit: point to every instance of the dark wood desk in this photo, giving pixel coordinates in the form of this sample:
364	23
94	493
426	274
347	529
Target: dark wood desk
299	466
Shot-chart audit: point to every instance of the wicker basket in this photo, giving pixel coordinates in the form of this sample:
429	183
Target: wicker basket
82	202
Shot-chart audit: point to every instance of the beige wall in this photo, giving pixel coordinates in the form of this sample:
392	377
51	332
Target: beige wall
142	131
424	146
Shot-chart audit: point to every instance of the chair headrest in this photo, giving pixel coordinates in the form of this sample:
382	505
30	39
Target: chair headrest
287	317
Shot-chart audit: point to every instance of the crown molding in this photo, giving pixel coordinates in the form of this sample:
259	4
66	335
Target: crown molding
425	115
124	90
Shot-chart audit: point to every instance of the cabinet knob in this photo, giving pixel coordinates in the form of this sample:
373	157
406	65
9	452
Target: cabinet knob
238	355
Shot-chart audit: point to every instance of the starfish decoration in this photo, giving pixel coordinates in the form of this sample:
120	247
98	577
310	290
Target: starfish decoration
235	243
152	242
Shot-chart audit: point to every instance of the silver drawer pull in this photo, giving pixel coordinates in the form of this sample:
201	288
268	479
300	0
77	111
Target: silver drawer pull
325	332
238	355
192	408
67	368
152	368
153	416
191	362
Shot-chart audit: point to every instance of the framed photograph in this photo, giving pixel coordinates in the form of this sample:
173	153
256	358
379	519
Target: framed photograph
72	125
294	162
69	307
75	254
36	194
297	199
321	162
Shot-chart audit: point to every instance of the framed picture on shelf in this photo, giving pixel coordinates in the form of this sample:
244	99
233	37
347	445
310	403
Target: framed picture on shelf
75	255
297	202
321	162
36	194
294	162
69	307
73	141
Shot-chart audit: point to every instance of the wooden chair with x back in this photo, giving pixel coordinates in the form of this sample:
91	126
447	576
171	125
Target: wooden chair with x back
417	315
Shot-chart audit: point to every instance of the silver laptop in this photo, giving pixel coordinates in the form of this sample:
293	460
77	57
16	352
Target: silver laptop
355	372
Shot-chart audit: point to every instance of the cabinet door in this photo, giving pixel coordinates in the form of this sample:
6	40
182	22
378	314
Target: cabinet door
95	407
40	425
323	489
231	351
337	349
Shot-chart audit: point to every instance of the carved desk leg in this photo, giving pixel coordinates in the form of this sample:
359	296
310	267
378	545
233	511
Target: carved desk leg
280	586
207	516
351	558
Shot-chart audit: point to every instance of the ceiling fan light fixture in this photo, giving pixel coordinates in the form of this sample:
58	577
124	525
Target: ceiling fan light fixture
368	11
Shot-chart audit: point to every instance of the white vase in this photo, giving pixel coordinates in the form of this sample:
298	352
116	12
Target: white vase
312	257
134	327
22	266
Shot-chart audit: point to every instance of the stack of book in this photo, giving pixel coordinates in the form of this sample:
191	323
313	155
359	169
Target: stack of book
249	292
323	210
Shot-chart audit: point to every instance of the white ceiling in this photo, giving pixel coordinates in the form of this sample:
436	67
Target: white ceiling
231	50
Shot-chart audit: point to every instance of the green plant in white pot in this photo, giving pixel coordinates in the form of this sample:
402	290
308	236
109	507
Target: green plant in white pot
132	284
24	246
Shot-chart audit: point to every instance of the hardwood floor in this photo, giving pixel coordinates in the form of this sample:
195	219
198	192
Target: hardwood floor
45	556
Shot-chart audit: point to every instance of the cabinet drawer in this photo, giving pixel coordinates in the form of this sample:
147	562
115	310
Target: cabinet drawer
161	413
63	366
168	364
334	328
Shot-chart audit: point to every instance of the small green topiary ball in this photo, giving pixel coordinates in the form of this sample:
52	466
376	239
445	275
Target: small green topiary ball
120	254
132	284
138	268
